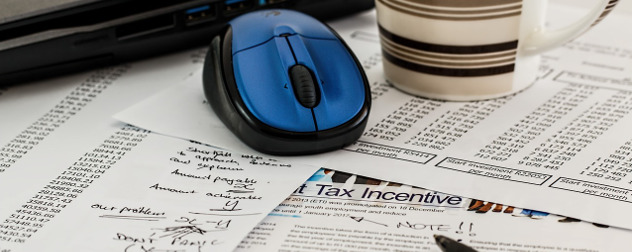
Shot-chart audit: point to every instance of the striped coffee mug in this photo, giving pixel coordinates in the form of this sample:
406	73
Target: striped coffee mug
464	50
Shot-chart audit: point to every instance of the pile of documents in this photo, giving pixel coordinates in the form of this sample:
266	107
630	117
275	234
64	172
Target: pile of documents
132	158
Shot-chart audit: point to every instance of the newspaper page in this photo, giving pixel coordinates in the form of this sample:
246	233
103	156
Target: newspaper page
336	211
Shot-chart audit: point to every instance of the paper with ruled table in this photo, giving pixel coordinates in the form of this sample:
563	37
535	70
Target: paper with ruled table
563	145
74	179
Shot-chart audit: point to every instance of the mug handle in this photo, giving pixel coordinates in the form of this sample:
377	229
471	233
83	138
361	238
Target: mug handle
541	40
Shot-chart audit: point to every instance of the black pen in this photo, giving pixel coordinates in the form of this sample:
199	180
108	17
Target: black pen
448	245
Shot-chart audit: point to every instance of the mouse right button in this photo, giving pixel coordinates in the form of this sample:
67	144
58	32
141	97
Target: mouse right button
342	87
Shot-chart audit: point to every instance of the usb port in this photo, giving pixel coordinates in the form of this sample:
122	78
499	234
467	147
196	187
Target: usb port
199	15
235	6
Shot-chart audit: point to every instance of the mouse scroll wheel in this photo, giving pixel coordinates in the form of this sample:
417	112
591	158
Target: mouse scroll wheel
305	88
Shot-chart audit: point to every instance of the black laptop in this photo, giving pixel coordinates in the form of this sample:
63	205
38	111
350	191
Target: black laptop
41	38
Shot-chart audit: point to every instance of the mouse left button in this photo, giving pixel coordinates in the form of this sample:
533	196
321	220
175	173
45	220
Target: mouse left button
261	78
305	88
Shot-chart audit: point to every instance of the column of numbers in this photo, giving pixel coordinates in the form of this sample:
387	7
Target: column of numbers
68	107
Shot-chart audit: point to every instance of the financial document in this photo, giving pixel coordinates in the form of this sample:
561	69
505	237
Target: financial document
562	141
74	179
336	211
173	195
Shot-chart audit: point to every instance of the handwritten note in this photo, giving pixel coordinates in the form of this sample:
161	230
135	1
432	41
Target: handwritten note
174	195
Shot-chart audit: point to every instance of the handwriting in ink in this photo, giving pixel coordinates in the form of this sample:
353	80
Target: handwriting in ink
229	206
460	231
229	196
217	224
188	175
240	191
359	219
211	167
246	184
177	160
422	226
182	231
158	187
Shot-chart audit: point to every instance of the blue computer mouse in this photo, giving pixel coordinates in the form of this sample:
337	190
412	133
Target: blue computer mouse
286	84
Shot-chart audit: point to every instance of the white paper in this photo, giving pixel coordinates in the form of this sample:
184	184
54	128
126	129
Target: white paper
166	195
74	179
48	124
339	212
564	140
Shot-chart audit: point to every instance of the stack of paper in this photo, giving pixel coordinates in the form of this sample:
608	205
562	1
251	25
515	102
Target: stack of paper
166	175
